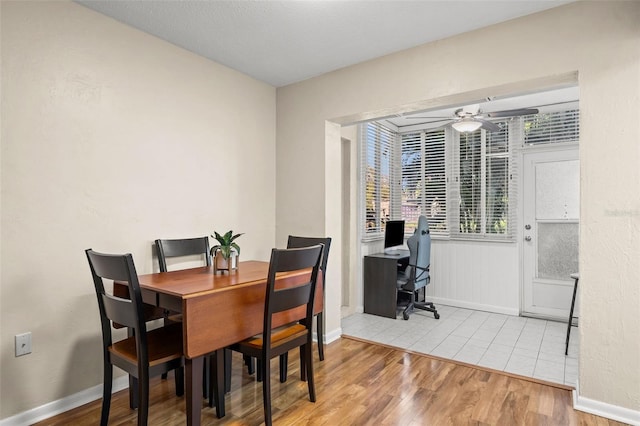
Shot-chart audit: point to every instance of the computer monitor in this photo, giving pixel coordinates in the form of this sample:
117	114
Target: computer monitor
393	234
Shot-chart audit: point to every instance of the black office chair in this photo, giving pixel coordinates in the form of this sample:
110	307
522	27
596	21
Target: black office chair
273	343
144	354
416	275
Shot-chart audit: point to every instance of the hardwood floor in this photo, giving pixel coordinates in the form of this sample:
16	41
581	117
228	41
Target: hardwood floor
360	383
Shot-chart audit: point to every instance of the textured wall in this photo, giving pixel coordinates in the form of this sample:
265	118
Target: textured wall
111	138
598	40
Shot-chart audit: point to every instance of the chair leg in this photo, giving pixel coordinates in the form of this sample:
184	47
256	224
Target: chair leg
133	395
206	373
570	323
249	362
309	369
106	393
284	364
179	376
143	397
265	365
216	382
320	333
227	369
303	369
258	371
165	323
133	383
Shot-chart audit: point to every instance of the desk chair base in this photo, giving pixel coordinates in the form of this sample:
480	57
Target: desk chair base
413	305
426	306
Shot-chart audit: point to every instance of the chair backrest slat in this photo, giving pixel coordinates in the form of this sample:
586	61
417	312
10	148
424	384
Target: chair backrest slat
182	247
289	298
297	242
119	310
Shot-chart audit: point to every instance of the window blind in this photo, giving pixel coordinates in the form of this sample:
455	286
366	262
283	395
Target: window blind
552	127
424	184
497	182
378	176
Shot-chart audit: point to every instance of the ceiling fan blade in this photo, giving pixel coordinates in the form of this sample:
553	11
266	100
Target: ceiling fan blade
488	125
512	112
446	120
433	116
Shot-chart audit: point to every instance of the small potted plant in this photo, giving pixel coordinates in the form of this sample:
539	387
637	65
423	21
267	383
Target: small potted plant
225	254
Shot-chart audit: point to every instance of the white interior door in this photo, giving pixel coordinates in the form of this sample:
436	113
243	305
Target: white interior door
551	224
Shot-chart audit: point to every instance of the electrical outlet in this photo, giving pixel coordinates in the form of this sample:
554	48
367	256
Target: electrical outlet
23	344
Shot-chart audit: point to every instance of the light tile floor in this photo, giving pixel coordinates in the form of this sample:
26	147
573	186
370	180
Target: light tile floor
524	346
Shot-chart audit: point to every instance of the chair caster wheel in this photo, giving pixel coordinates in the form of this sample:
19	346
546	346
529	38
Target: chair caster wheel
405	316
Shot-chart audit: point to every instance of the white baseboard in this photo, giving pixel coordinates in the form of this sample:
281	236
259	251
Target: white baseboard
333	335
64	404
475	306
602	409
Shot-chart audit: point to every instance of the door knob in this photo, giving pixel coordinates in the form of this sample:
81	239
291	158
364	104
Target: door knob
527	238
527	227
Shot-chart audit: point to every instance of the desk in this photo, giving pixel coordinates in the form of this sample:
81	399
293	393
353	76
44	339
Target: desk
217	310
380	282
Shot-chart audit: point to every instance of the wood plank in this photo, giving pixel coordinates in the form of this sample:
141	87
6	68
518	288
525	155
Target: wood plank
360	383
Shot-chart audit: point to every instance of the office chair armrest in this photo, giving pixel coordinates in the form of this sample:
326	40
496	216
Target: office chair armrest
419	276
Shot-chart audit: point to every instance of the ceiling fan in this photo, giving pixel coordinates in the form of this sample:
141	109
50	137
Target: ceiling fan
470	118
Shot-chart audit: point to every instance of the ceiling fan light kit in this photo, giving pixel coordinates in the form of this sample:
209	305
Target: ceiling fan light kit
466	125
471	118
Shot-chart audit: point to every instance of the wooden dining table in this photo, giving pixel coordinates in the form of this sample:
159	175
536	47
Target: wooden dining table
218	309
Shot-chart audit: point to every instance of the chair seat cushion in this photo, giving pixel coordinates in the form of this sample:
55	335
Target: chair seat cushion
279	336
403	278
164	343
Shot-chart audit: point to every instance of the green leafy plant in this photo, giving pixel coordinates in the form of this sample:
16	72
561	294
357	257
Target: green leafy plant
226	244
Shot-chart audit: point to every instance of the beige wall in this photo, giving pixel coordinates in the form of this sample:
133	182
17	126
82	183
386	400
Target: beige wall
93	112
111	138
599	40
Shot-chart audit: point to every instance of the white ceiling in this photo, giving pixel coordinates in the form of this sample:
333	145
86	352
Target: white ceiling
283	42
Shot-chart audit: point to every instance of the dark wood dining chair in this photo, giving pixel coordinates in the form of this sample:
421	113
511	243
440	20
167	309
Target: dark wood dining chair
294	242
144	354
272	343
180	248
